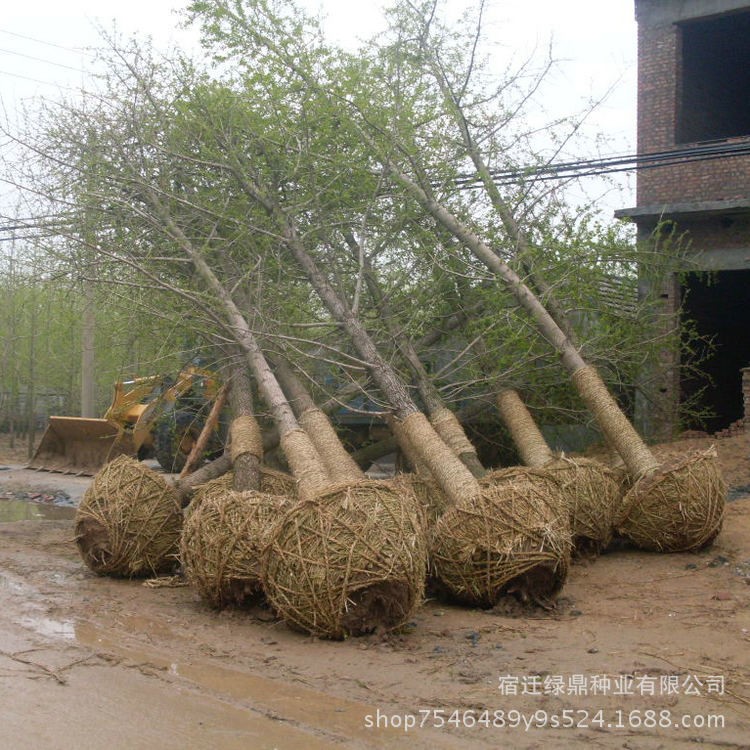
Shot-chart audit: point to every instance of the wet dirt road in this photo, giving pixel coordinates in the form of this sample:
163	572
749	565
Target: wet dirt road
79	676
92	662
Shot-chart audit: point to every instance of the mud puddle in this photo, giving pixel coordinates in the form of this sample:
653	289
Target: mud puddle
24	510
286	715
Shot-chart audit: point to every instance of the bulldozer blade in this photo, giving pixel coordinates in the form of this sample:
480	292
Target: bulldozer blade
76	445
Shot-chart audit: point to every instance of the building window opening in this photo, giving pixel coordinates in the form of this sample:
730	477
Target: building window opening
713	101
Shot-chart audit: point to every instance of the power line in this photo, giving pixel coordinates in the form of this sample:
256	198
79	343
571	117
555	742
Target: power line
613	164
37	80
75	50
41	59
555	170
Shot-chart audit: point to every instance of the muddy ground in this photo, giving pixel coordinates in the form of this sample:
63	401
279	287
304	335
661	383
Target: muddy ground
641	651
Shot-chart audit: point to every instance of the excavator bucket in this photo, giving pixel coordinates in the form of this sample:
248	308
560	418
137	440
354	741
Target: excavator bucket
76	445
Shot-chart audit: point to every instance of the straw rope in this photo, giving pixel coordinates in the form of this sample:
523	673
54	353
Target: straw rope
430	499
221	543
245	437
348	562
128	522
525	474
532	447
453	477
594	495
446	425
618	430
679	508
513	537
340	465
417	464
272	482
306	464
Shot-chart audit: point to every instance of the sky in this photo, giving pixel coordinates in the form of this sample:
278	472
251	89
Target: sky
45	49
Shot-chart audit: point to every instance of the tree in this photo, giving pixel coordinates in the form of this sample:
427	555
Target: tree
418	107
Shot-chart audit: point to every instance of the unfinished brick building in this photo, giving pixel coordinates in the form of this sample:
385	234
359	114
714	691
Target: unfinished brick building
694	104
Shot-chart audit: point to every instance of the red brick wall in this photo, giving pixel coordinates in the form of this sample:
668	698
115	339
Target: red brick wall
658	80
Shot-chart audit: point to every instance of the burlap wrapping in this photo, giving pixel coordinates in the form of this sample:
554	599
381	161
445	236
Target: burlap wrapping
245	437
222	539
446	425
513	537
594	495
306	464
454	478
349	562
618	430
128	522
340	465
531	445
418	466
679	508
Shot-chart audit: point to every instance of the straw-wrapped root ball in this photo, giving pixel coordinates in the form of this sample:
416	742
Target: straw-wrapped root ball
594	495
223	535
129	520
272	482
430	500
349	562
512	537
679	507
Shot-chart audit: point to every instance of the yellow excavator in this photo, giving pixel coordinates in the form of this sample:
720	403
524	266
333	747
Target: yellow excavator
150	416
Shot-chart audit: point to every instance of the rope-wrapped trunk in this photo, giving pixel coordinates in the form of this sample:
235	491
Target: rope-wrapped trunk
591	490
701	509
531	445
443	420
245	439
341	467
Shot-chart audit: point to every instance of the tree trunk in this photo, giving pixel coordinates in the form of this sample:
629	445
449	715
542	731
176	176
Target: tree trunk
245	441
184	486
443	420
304	460
454	478
212	420
529	440
340	465
88	364
638	458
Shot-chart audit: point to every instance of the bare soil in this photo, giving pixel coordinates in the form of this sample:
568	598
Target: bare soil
91	662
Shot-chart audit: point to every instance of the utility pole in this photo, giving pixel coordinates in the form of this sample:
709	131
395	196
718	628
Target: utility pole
88	332
88	320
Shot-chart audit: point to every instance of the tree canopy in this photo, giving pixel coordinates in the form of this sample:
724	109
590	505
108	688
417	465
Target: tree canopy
313	183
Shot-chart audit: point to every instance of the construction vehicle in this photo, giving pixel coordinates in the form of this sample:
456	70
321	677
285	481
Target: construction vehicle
154	416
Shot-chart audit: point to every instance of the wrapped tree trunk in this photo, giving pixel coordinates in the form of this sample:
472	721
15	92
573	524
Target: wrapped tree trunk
340	465
344	560
419	482
590	489
443	419
245	440
676	507
228	524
